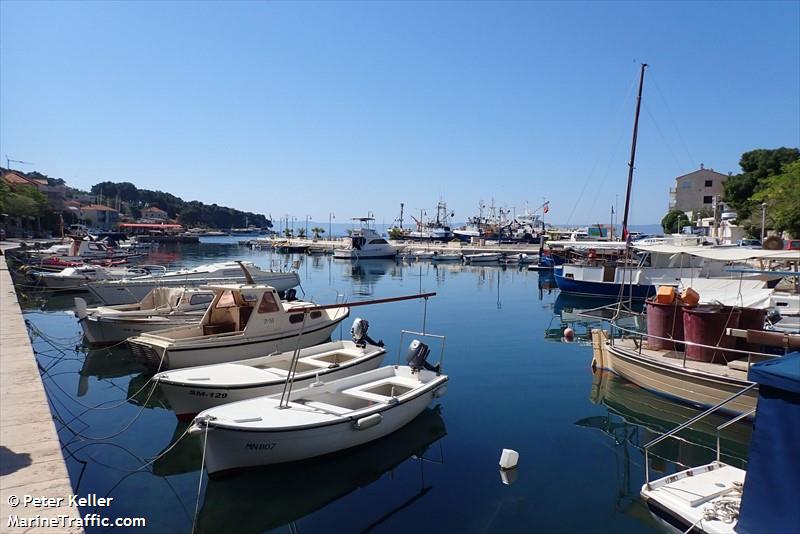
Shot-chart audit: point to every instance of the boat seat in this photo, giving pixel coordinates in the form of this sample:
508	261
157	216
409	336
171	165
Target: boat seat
325	407
218	328
362	393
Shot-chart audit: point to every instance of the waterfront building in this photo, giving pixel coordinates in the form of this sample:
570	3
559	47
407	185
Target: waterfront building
696	191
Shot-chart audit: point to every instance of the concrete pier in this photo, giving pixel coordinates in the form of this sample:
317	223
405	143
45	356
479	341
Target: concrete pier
31	461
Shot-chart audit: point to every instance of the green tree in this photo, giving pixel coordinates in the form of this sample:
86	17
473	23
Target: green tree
673	221
757	166
395	233
317	231
287	232
781	193
301	232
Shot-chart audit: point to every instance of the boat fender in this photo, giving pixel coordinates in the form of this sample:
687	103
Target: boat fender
368	422
509	459
80	309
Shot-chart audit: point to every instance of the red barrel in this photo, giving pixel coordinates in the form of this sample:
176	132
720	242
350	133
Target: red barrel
664	321
751	319
706	325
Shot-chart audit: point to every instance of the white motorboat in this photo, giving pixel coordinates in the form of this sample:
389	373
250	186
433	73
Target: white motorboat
483	257
446	257
365	243
718	498
317	420
80	250
243	321
131	290
163	307
190	391
417	255
76	278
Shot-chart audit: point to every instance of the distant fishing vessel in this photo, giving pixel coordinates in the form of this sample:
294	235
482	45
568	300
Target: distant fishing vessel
437	229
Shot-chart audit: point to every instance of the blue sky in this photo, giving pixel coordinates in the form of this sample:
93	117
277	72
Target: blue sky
310	108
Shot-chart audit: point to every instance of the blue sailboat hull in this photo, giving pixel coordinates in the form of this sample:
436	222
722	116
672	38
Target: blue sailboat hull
601	289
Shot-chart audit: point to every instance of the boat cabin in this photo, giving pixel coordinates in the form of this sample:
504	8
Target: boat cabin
235	307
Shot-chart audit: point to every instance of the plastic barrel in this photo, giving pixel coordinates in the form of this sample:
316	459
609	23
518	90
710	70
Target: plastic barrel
665	321
706	325
751	319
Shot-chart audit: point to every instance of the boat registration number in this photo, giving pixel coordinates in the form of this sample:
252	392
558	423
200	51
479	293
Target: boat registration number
209	394
260	446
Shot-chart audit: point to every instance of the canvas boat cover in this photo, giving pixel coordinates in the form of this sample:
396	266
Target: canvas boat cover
723	253
730	291
772	486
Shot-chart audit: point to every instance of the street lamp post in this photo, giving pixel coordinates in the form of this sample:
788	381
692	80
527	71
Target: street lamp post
330	233
763	219
307	226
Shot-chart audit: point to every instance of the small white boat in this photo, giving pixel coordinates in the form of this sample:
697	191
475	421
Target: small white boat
316	420
422	254
243	321
483	257
521	258
131	290
163	307
717	498
190	391
76	278
365	243
446	256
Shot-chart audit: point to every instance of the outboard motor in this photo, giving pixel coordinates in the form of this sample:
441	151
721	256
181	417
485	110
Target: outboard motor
417	357
359	333
290	295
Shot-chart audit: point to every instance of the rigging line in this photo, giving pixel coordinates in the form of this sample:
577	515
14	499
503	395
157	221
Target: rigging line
601	152
200	481
608	171
661	134
653	78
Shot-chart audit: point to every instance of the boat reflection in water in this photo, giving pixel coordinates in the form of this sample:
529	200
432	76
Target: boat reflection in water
270	497
364	274
583	313
635	416
105	364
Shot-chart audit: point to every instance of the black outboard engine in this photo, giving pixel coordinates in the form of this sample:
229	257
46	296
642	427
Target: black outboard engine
417	357
290	295
359	333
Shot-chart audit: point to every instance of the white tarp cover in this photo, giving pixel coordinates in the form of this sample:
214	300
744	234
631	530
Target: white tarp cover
723	253
581	245
730	292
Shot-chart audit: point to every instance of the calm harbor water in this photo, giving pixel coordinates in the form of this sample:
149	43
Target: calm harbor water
513	384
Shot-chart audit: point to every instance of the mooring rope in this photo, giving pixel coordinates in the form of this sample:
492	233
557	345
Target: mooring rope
200	481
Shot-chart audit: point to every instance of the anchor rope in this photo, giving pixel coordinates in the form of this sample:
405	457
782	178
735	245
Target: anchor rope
200	478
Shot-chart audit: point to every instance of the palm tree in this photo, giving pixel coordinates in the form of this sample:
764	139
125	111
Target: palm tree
317	231
301	232
287	232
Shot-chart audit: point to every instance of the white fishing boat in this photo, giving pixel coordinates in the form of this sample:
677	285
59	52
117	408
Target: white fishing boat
80	250
243	321
365	243
190	391
163	307
446	257
718	498
76	278
321	419
134	289
483	257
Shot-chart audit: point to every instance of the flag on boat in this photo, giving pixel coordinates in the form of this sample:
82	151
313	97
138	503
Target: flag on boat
546	207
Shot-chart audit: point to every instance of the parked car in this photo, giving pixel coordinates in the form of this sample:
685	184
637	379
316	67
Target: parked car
750	243
791	244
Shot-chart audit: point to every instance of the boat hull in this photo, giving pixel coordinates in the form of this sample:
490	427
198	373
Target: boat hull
230	449
108	330
120	293
688	386
222	350
602	289
346	254
187	400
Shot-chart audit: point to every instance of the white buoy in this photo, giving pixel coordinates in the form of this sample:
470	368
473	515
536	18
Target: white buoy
509	459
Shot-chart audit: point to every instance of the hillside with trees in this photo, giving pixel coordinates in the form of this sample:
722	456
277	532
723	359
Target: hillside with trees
188	213
770	177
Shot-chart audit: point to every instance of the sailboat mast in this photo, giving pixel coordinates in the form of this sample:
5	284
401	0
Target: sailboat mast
633	155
